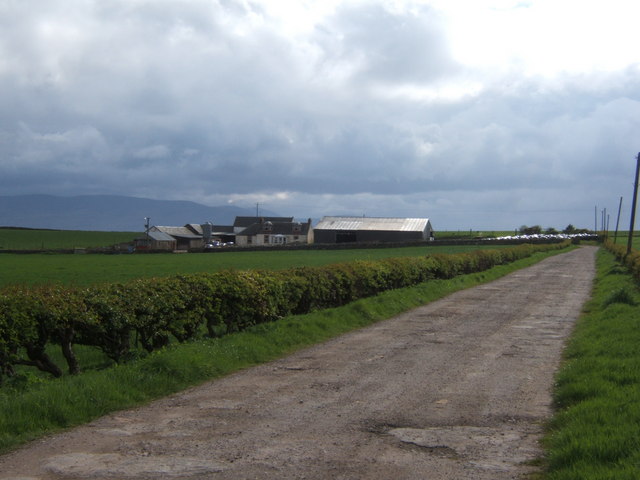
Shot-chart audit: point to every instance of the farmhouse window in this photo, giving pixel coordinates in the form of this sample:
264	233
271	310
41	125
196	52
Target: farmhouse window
266	239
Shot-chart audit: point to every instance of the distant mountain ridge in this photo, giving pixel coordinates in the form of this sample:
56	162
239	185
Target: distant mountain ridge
110	212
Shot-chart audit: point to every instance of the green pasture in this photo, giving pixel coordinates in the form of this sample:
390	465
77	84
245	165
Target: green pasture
623	238
91	269
33	239
27	239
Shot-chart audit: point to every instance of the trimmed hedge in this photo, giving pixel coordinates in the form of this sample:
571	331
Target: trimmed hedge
152	313
631	261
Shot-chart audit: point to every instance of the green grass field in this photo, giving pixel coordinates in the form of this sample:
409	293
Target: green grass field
27	239
33	239
91	269
623	238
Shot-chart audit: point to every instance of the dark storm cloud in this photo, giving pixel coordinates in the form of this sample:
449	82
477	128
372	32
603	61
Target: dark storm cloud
210	101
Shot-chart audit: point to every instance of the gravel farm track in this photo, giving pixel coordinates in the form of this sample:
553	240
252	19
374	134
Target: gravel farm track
458	389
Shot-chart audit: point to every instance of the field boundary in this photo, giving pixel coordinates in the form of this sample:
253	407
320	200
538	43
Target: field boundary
39	407
150	314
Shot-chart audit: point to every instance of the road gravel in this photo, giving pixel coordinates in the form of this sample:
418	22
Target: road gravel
457	389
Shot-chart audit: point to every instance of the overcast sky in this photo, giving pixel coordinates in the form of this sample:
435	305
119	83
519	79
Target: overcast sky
482	115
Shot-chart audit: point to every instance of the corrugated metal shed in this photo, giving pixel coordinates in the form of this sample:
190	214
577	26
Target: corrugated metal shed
182	232
195	228
161	237
385	224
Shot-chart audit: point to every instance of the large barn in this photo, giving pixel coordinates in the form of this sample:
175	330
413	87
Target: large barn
372	230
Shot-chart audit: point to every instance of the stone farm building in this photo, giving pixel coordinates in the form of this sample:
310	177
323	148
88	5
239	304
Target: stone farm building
156	240
272	231
190	236
246	231
372	230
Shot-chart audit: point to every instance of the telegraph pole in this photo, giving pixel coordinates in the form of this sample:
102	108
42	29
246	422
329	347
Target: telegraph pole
633	205
615	236
146	230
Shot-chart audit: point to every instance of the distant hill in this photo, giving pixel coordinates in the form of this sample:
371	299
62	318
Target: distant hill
110	212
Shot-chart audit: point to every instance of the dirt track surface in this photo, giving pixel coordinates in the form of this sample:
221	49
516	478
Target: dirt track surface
456	389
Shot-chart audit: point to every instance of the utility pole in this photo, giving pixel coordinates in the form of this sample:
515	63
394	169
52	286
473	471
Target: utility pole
257	209
633	206
615	236
595	221
146	230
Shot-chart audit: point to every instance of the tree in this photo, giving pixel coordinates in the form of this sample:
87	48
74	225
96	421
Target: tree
536	229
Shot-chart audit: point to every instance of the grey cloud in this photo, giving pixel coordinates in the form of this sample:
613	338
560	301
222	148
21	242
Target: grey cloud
392	47
79	147
153	151
168	99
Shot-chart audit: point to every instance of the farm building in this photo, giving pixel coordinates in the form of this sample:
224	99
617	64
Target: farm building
192	235
223	233
242	223
156	241
244	231
276	231
186	237
372	230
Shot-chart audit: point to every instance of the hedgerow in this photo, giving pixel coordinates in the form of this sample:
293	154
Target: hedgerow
631	260
149	314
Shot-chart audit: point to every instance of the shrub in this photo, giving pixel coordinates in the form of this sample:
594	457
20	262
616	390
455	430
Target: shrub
151	313
111	332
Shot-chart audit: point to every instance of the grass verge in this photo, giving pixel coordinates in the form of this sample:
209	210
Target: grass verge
47	406
595	433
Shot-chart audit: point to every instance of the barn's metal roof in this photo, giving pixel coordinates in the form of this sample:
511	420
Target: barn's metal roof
386	224
195	228
245	222
161	237
182	232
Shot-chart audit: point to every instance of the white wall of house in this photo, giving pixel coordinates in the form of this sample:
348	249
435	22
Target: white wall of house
263	239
